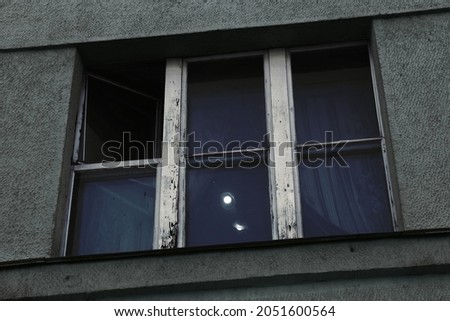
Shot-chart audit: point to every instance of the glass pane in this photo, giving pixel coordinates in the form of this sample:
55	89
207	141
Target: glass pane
333	92
227	205
339	200
112	214
124	120
226	104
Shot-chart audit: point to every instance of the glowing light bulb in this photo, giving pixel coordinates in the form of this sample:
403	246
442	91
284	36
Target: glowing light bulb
227	199
227	202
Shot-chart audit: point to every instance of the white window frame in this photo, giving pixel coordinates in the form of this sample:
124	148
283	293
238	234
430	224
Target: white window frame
284	185
80	167
380	123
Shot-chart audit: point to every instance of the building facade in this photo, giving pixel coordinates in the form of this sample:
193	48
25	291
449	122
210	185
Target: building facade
50	50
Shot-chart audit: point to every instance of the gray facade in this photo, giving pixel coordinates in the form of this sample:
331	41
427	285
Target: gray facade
45	47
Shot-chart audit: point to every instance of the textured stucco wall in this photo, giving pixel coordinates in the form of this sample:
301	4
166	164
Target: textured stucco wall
43	22
414	60
35	96
417	287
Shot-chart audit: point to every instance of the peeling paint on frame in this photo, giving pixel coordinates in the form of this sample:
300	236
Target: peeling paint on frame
166	227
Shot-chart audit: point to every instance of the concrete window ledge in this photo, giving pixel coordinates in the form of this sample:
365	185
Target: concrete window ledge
250	271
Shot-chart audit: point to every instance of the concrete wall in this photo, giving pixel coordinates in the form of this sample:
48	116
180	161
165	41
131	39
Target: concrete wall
414	59
44	22
35	99
417	287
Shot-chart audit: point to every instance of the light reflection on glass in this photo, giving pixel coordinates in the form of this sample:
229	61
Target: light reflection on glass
239	227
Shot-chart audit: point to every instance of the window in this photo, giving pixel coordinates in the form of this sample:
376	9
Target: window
114	168
275	144
343	193
227	188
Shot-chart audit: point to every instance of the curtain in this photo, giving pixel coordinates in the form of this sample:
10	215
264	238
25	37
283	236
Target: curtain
113	215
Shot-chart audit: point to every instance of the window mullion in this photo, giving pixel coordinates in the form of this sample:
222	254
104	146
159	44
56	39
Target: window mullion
166	227
282	161
181	242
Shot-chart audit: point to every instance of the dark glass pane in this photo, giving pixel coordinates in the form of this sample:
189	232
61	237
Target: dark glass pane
338	200
333	92
147	77
227	205
123	118
112	214
226	104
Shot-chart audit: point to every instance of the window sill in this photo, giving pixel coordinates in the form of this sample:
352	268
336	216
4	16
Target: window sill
237	266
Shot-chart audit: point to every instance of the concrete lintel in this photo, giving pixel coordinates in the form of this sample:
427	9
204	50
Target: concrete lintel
49	23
